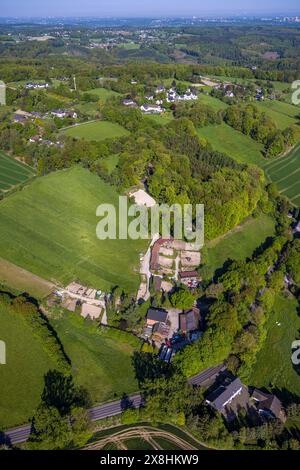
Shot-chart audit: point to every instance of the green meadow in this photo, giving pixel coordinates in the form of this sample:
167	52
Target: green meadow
225	139
273	367
284	114
238	244
49	229
22	378
101	358
98	130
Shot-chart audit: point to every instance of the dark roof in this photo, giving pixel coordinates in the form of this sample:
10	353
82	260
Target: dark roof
269	402
224	394
157	315
189	321
187	274
206	376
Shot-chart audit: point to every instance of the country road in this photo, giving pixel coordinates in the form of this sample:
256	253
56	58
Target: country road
21	433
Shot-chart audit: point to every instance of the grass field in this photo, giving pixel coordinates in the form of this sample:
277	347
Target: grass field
237	245
273	367
283	114
99	130
49	229
285	172
12	172
227	140
101	360
23	281
102	93
161	119
213	102
22	378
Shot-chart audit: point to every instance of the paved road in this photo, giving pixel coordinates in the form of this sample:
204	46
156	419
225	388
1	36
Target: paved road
21	433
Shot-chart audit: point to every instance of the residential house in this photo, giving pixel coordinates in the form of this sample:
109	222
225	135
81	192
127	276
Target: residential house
62	113
34	139
190	320
156	315
129	102
151	109
160	89
230	398
268	405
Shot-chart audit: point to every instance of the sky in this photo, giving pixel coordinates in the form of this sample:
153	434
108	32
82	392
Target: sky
140	8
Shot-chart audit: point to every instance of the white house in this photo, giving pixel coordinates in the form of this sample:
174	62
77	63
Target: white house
151	109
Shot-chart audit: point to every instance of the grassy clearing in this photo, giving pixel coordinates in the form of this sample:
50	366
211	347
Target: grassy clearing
161	119
242	148
236	245
101	359
285	172
213	102
273	367
12	172
102	93
22	378
49	229
99	130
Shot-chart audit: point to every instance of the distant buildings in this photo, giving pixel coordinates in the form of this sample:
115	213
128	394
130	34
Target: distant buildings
36	86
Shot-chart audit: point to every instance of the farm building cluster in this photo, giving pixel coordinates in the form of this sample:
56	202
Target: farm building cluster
175	260
90	302
172	262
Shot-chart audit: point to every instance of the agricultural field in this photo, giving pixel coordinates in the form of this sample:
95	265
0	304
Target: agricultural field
283	114
101	359
22	378
237	245
144	437
273	367
12	172
98	130
285	172
55	237
225	139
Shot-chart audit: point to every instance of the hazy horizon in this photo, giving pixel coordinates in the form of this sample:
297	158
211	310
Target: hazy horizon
138	9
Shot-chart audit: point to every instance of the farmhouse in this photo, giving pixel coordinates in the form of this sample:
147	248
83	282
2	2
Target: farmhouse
156	315
268	405
151	109
62	113
36	86
160	89
189	321
229	398
130	103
